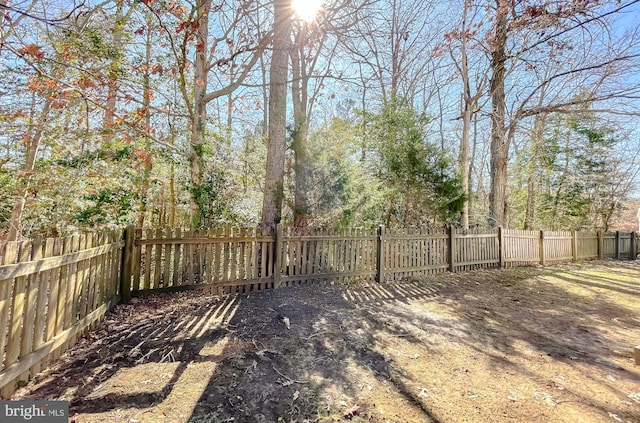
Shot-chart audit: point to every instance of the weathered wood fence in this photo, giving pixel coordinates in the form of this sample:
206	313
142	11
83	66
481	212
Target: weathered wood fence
51	292
250	259
54	290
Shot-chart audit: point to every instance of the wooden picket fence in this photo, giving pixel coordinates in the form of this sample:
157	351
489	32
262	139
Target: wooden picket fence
408	253
52	291
229	259
166	260
312	254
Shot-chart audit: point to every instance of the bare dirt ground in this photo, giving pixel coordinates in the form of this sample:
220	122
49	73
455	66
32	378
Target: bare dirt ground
550	344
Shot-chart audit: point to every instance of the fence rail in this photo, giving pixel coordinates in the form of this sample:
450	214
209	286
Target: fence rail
53	290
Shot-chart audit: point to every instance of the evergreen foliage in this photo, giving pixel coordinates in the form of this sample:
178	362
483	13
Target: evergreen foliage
424	187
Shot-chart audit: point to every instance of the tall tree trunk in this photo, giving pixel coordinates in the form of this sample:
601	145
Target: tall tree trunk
32	145
529	216
230	105
395	37
537	139
146	104
172	197
264	127
363	122
301	168
464	164
537	136
472	169
499	145
300	94
229	120
199	118
467	104
274	180
563	178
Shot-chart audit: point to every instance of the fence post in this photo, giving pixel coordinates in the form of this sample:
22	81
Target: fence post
500	247
542	261
574	245
451	246
600	244
632	247
277	267
617	245
126	263
380	255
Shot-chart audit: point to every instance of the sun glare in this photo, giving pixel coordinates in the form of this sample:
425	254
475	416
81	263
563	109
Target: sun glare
307	10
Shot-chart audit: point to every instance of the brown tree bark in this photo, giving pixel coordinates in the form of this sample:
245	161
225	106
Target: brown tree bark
302	66
464	163
146	104
300	134
499	145
199	112
274	180
469	108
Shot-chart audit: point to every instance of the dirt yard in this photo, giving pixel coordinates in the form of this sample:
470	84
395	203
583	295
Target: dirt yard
550	344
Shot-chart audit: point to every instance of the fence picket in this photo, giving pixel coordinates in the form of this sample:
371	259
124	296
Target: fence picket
137	256
19	304
41	300
157	260
10	257
30	309
167	275
97	277
62	288
92	275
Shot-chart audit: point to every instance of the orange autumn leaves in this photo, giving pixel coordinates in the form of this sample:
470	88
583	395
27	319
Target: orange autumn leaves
32	50
50	89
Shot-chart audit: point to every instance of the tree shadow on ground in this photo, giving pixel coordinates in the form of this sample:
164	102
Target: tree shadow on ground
333	329
137	361
189	357
166	329
561	313
313	369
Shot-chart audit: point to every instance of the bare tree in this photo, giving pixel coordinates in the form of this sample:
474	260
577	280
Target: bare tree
394	43
470	100
524	38
313	54
499	146
32	139
196	29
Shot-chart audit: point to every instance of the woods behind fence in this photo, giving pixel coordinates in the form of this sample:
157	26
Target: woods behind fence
54	290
